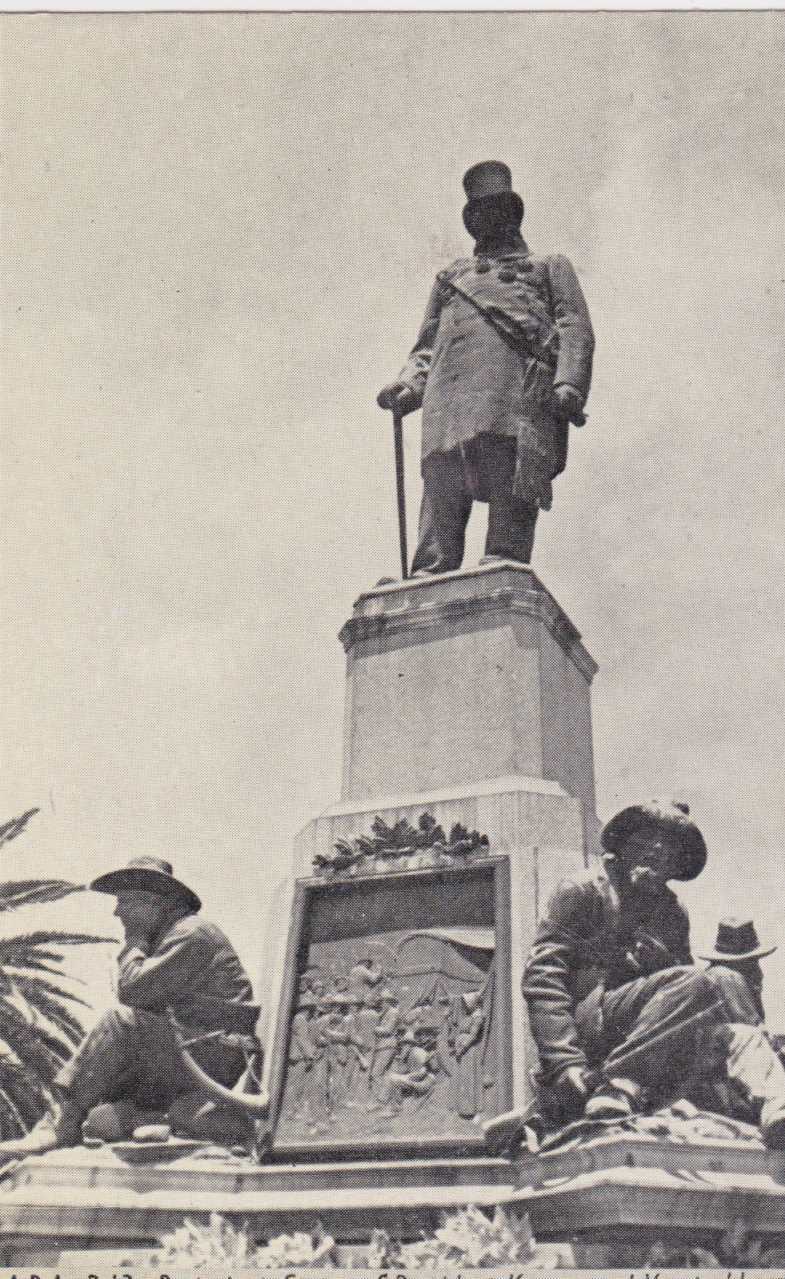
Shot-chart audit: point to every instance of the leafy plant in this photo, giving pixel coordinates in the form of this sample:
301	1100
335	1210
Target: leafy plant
464	1238
469	1238
736	1249
219	1242
38	1025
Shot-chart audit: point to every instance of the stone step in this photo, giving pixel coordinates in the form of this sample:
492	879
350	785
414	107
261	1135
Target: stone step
655	1205
640	1150
96	1215
104	1168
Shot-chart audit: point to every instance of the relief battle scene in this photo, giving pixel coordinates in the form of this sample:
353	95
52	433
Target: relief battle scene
394	1032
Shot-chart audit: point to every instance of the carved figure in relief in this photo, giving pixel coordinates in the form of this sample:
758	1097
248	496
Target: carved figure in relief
317	1102
621	1016
337	1036
501	366
468	1074
386	1042
413	1073
302	1053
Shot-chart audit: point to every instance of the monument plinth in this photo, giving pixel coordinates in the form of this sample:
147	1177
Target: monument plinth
467	710
463	678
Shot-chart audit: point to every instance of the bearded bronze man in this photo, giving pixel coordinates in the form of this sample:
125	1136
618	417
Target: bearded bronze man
622	1018
501	366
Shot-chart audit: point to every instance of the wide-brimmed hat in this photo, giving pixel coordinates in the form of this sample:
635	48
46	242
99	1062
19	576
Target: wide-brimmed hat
669	817
486	181
737	939
146	875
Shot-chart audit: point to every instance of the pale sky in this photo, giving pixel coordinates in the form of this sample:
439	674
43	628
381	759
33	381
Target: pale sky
220	232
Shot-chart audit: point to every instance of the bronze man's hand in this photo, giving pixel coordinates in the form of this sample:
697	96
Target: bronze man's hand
398	397
572	1087
570	402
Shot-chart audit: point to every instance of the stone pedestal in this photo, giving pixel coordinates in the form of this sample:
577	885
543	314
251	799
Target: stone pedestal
534	823
619	1195
468	699
612	1197
463	678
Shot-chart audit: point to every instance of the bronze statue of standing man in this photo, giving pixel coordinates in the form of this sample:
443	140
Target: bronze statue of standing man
501	366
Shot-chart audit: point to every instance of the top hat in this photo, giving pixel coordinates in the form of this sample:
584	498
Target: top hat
665	817
486	181
147	875
737	939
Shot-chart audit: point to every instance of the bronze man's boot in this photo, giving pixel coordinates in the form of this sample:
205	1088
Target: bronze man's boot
61	1126
616	1098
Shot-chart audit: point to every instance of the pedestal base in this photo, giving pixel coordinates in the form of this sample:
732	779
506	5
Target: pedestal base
614	1198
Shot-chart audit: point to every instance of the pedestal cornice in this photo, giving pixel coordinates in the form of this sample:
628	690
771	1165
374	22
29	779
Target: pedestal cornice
429	604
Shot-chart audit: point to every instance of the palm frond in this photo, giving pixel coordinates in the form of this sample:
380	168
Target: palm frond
60	992
54	1010
10	830
35	892
36	1050
22	1098
18	1031
39	1028
34	963
46	937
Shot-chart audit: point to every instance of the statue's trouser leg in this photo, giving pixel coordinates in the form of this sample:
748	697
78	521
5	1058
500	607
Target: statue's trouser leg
651	1026
444	514
739	1002
511	522
750	1061
132	1054
754	1067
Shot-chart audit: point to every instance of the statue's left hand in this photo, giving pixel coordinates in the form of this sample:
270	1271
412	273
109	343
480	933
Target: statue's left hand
398	397
570	402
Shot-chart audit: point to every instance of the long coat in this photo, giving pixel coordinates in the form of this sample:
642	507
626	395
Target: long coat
192	967
585	944
471	381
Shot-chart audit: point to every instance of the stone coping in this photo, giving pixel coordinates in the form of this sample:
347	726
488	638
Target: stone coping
653	1151
655	1199
651	1188
425	604
227	1174
508	785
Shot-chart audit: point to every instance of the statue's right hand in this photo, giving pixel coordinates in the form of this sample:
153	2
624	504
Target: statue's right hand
397	397
572	1085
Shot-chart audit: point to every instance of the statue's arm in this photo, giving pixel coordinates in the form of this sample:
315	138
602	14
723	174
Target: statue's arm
547	981
414	373
153	980
682	951
576	336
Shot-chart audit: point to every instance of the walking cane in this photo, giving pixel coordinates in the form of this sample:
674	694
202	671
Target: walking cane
401	491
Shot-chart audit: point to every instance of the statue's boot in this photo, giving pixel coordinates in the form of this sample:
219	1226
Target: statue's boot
60	1127
754	1067
616	1098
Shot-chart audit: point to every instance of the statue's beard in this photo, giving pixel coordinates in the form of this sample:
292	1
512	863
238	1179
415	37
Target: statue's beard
645	880
496	239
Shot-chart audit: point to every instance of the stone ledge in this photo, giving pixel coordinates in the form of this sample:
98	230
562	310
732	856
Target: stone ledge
679	1158
509	785
427	604
655	1203
103	1168
59	1214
